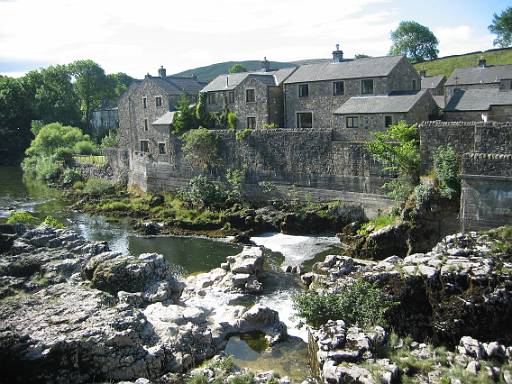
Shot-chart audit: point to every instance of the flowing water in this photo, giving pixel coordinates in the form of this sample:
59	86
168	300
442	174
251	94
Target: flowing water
193	255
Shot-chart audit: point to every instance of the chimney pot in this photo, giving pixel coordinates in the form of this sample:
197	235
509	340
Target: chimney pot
265	65
337	55
162	72
482	63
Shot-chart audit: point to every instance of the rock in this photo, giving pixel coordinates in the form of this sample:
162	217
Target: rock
243	238
473	367
250	261
472	347
151	228
156	201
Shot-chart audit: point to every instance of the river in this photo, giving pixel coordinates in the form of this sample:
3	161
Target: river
192	255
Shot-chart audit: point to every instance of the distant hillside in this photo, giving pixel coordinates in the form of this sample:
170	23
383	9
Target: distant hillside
446	65
210	72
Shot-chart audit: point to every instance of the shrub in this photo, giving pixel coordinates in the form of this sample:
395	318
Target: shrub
423	192
64	154
446	166
199	378
111	140
270	126
379	222
48	169
243	134
360	303
244	378
22	217
53	222
201	148
97	186
201	193
85	148
70	176
231	120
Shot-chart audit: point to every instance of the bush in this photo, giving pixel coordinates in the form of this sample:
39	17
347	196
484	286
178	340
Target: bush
70	176
64	154
423	192
201	148
111	140
85	148
199	378
360	303
243	134
446	166
244	378
270	126
22	217
97	186
231	120
53	222
201	193
48	169
378	223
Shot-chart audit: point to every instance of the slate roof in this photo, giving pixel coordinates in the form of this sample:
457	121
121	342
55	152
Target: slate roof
439	99
166	119
477	75
230	81
178	85
392	103
431	82
360	68
478	99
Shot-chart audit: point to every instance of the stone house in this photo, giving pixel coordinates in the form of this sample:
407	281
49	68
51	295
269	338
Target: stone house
314	92
435	84
146	111
379	112
482	76
255	97
104	119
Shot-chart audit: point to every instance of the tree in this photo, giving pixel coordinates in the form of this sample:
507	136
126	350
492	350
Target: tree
202	115
186	117
502	27
53	96
397	149
117	84
15	117
201	149
91	86
415	41
237	68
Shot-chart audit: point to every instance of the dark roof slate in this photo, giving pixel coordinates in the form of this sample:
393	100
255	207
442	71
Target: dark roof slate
479	75
360	68
431	82
392	103
230	81
478	99
178	85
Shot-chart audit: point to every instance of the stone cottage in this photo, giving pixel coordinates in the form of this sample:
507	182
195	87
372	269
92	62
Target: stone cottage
314	92
146	111
255	97
379	112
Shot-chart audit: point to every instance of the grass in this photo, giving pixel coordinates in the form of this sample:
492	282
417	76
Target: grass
378	223
445	66
90	159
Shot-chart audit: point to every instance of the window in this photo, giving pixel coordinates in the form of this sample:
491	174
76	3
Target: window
352	121
145	102
145	124
303	90
388	121
158	101
366	87
305	120
414	85
144	146
231	97
161	148
251	122
249	95
211	98
338	88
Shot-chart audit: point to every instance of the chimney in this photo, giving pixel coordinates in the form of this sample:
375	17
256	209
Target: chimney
482	63
337	55
162	72
265	65
423	73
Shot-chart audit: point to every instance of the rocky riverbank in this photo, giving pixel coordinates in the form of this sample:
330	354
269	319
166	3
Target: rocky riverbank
73	311
457	296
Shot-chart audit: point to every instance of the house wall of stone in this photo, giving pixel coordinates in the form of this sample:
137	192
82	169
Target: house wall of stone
486	200
323	103
464	115
324	163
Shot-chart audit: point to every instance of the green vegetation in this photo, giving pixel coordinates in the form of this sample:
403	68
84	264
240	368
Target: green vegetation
185	119
231	120
201	149
200	378
270	126
202	193
397	149
360	303
415	41
445	66
237	68
98	187
53	222
22	217
502	27
111	140
99	160
379	222
446	166
245	378
243	134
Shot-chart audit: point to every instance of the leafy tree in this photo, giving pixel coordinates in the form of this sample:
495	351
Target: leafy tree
237	68
117	83
53	95
397	149
202	116
53	136
201	148
415	41
186	117
502	27
91	86
446	166
15	119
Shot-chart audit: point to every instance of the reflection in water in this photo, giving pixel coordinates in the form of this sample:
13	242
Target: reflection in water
288	358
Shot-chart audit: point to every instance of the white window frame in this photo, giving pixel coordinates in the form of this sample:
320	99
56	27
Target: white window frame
353	118
161	101
147	146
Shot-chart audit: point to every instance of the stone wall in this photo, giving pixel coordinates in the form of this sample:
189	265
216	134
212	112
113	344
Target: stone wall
324	164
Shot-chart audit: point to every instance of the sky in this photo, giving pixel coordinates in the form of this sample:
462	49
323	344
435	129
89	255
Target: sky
136	37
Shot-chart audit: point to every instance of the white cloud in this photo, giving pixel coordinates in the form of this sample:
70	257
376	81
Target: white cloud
461	39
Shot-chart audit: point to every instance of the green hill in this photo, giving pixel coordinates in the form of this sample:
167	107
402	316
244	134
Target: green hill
446	65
